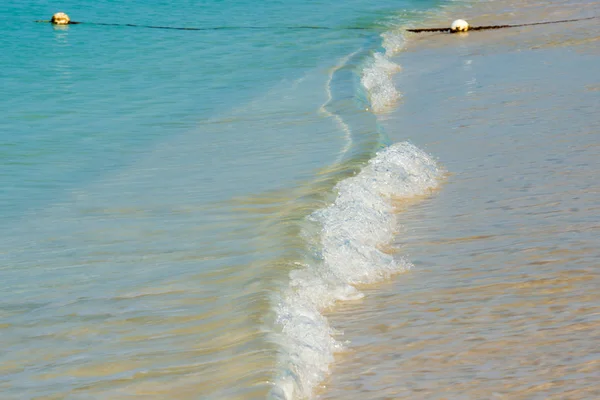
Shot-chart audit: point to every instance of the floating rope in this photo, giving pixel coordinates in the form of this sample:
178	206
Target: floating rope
214	28
457	26
489	27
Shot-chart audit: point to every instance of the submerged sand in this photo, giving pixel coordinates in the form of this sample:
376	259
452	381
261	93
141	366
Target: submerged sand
504	300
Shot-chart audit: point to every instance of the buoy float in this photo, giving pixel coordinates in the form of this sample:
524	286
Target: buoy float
460	25
60	18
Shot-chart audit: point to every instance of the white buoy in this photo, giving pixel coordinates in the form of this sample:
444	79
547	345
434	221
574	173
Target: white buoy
460	25
60	18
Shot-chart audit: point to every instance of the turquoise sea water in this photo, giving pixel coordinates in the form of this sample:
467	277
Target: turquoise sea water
214	214
158	186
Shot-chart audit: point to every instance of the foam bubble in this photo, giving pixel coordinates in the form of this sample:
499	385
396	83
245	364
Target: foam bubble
377	80
347	253
393	42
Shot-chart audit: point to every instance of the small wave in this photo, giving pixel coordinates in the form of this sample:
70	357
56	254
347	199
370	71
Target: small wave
345	240
393	42
377	75
338	119
377	80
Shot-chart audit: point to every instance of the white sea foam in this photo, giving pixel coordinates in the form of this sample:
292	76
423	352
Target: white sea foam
377	75
346	242
377	80
393	42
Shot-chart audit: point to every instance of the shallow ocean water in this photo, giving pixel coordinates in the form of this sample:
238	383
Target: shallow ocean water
172	225
155	183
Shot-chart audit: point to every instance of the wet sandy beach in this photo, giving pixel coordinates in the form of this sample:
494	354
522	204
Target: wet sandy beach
503	301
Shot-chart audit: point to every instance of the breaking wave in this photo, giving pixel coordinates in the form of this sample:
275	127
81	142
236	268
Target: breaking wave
377	75
345	242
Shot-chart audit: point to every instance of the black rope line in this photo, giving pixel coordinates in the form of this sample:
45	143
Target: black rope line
215	28
489	27
308	27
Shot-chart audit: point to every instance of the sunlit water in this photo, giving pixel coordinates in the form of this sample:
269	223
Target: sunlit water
201	214
157	187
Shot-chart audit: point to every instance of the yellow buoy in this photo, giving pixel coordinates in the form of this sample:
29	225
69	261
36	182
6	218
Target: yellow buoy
60	18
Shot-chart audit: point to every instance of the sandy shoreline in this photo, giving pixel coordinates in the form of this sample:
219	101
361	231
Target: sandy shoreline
503	301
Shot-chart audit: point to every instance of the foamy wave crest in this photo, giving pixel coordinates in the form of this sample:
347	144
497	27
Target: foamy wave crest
346	252
393	42
377	80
